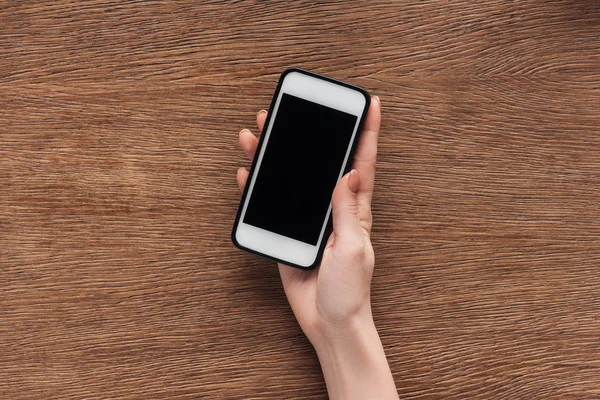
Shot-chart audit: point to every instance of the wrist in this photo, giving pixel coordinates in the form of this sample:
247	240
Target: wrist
353	361
333	336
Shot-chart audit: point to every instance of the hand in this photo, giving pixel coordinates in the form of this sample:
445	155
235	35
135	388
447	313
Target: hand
332	302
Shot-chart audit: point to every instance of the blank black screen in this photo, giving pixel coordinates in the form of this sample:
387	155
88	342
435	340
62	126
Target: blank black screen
299	169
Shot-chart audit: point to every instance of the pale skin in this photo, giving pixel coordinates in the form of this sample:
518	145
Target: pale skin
332	303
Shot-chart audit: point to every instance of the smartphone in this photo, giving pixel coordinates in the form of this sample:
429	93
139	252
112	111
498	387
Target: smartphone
306	146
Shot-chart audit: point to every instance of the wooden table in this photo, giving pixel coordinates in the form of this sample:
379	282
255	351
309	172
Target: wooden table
118	152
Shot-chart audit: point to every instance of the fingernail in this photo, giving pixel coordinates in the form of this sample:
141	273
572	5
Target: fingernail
261	112
242	131
378	99
353	181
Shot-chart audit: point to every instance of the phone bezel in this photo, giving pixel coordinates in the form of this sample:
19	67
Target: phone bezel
321	90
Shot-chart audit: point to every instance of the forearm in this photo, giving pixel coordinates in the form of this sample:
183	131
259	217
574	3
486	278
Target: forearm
354	363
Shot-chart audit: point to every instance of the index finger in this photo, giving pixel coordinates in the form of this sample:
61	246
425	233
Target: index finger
365	158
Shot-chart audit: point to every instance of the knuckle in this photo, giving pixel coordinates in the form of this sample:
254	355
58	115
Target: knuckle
355	250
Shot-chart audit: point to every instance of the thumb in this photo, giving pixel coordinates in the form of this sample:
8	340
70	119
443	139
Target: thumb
346	222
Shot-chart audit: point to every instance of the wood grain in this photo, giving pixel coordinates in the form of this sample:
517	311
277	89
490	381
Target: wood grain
118	151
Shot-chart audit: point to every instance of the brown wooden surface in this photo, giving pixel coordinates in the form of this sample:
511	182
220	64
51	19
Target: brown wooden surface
118	151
